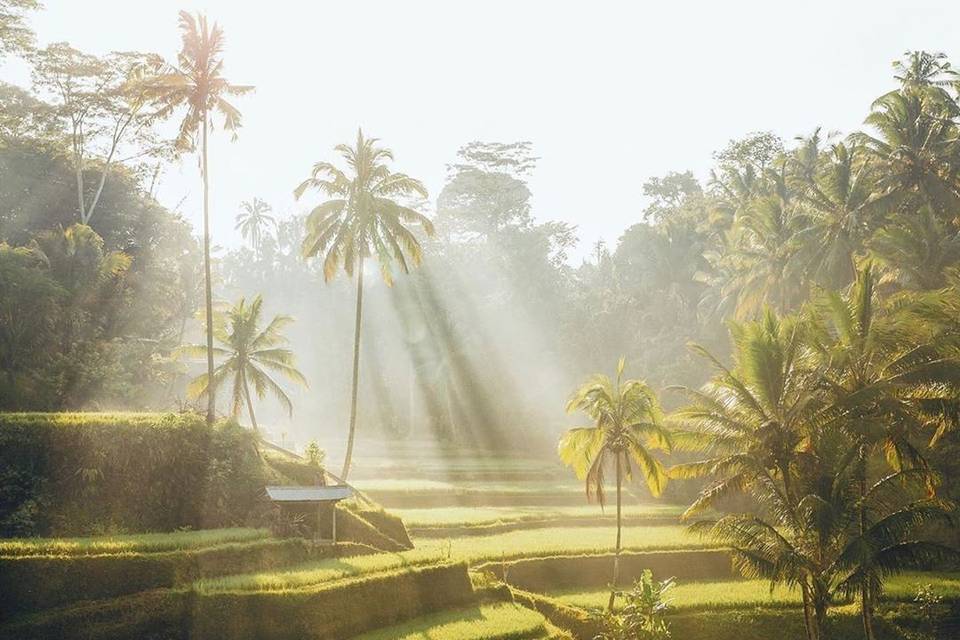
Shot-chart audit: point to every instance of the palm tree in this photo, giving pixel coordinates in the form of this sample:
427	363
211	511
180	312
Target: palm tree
363	218
887	381
254	220
750	421
249	354
792	426
628	424
915	145
916	249
841	207
196	82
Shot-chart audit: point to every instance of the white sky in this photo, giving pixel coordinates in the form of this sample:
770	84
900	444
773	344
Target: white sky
610	93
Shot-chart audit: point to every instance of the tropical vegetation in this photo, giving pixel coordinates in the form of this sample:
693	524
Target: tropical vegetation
365	217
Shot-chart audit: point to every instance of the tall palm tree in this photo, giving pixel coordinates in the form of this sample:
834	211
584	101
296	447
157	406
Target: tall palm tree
840	207
915	147
250	352
363	218
788	426
196	82
888	382
628	424
254	220
750	421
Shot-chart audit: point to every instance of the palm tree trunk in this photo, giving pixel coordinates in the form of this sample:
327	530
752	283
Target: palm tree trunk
253	418
820	604
866	597
807	614
616	555
449	403
211	390
356	373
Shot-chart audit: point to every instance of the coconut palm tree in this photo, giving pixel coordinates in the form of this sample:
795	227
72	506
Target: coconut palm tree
249	354
750	420
196	82
915	147
792	427
254	220
365	217
888	381
840	207
628	424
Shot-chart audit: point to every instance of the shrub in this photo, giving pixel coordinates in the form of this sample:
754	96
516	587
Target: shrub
81	473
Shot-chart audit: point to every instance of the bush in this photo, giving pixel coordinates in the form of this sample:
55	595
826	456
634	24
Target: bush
82	473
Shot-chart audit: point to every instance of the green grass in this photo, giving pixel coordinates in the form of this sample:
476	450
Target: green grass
741	594
419	485
510	545
134	543
563	540
478	516
320	572
501	621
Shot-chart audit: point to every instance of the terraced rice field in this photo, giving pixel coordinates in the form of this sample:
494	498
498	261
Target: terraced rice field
502	621
738	594
320	572
480	516
563	540
140	543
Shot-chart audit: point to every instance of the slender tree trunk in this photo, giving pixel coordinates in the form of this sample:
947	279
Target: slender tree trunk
616	555
820	603
356	373
411	391
807	614
866	595
208	289
99	192
81	204
253	418
449	403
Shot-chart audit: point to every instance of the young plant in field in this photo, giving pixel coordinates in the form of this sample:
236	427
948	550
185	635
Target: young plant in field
628	425
644	615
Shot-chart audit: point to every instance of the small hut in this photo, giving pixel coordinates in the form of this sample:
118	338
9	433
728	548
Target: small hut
321	500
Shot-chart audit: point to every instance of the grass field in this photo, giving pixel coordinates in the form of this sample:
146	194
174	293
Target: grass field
479	516
735	594
503	621
320	572
424	485
510	545
563	540
139	543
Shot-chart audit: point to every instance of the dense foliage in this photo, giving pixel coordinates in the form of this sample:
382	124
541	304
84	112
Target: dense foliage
88	473
817	440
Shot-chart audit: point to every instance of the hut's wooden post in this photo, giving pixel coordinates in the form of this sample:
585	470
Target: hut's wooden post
334	505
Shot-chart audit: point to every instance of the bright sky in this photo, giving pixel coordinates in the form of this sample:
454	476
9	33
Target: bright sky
610	93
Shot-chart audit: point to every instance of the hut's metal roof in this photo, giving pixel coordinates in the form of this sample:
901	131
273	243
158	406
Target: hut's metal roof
309	494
